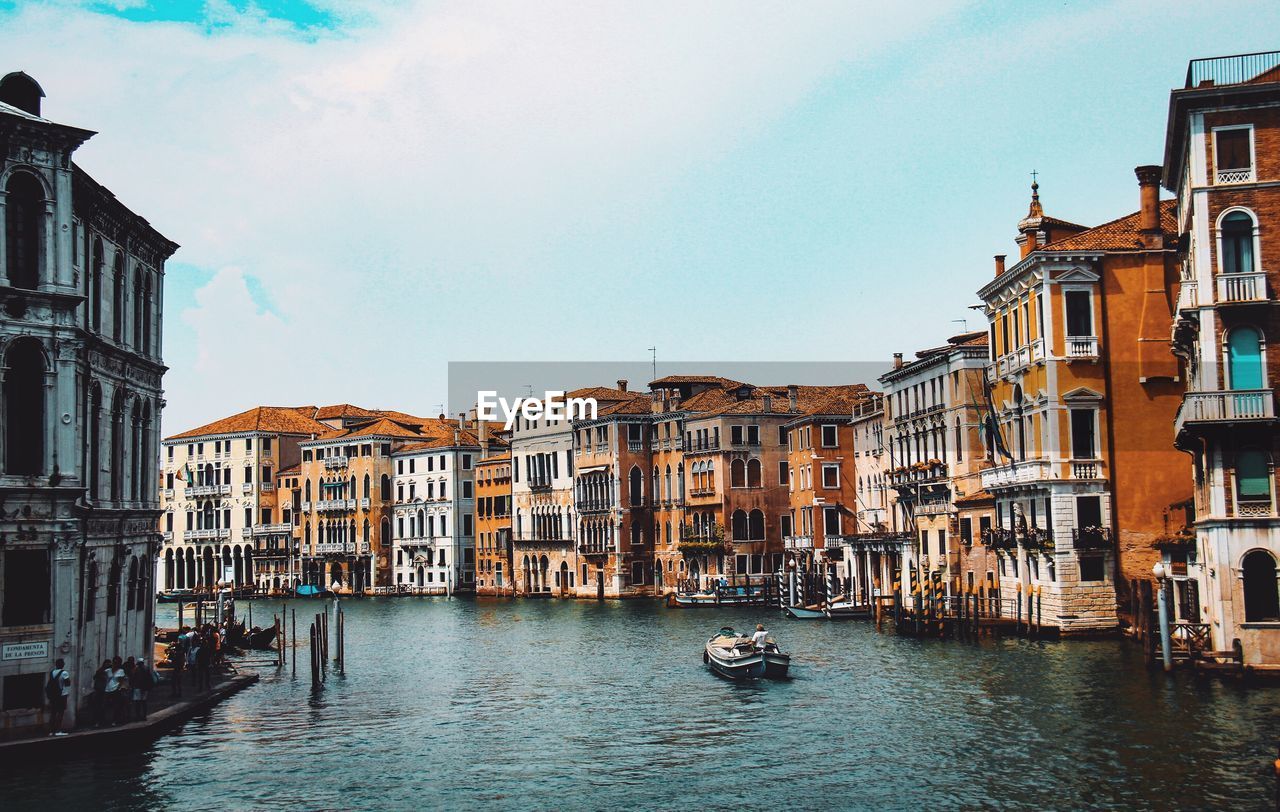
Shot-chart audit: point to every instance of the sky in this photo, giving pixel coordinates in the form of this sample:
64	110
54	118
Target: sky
365	192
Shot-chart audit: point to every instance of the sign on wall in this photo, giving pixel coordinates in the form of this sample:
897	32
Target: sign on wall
24	651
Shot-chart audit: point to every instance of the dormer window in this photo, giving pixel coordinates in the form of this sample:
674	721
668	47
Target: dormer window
1233	154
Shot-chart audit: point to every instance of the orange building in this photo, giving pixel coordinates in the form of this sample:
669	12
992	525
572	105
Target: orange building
821	478
494	562
1084	392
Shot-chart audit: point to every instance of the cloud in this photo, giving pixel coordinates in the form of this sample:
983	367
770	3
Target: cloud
389	181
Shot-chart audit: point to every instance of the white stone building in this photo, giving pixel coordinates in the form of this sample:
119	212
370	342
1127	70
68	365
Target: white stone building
81	278
543	521
217	494
433	526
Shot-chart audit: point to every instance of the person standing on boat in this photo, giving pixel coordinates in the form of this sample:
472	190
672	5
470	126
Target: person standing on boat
759	637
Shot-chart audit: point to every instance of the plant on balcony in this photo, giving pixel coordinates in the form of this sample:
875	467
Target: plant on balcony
1179	541
711	541
935	462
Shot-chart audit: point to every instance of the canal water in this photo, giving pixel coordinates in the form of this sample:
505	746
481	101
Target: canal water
578	705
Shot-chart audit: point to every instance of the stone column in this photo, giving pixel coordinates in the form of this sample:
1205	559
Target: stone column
66	595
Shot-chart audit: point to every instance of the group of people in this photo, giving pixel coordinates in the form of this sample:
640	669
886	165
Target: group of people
121	689
197	651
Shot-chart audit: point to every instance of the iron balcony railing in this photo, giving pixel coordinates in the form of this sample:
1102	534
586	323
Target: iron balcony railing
1091	538
1232	70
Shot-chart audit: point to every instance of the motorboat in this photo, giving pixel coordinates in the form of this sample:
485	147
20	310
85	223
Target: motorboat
775	662
814	612
694	599
733	656
310	591
845	609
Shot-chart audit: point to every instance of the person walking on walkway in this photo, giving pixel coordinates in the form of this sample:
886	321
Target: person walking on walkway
117	686
98	700
204	662
57	688
143	680
177	659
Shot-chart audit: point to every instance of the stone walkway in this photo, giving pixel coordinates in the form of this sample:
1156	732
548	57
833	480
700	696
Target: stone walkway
165	713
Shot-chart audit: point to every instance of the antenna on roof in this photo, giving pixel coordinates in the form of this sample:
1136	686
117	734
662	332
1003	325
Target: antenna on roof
654	352
964	324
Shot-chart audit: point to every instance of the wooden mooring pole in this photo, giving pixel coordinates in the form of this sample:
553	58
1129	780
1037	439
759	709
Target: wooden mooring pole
293	637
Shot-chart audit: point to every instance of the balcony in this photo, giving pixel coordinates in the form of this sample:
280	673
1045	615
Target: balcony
1226	175
305	507
364	503
267	486
696	447
635	446
1254	509
1091	538
698	493
1188	295
214	534
168	536
797	542
1241	288
539	483
330	547
1086	470
1082	346
331	463
246	487
595	548
194	491
919	473
1207	409
1018	473
167	493
331	505
272	529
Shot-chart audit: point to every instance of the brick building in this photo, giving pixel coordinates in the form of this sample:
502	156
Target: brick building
495	566
1222	162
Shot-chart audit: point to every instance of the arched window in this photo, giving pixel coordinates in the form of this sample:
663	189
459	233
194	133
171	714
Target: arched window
24	395
366	486
132	590
117	299
386	488
654	487
1261	602
137	307
1237	243
666	493
740	532
22	210
680	479
135	451
754	478
95	286
756	526
306	490
636	489
146	316
1244	358
1253	476
738	474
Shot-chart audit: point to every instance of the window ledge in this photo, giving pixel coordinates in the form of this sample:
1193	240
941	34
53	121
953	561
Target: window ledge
1265	625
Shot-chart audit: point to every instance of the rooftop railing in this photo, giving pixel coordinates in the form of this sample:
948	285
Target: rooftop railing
1232	70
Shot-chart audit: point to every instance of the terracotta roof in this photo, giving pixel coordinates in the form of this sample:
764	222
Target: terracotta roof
722	402
381	427
603	393
343	410
495	460
1120	234
674	380
263	419
292	469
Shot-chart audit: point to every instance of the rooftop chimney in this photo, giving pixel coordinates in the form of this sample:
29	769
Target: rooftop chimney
1149	210
793	395
897	360
999	264
482	428
768	404
622	384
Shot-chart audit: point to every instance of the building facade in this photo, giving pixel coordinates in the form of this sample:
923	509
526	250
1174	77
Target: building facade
494	561
1083	393
81	280
1222	162
218	494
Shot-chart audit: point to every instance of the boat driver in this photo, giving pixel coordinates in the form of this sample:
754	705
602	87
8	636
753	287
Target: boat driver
759	637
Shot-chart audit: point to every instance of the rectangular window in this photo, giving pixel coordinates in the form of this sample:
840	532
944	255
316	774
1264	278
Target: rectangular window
27	587
782	435
753	435
831	476
785	522
1232	150
783	478
966	531
831	521
829	439
735	435
1092	568
466	489
1079	313
1083	445
466	462
467	523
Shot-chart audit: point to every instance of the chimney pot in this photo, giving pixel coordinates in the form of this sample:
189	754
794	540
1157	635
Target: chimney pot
999	264
1149	198
768	404
897	360
622	384
793	395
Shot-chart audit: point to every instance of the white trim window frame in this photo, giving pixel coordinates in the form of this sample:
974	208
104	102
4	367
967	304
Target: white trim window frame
1235	175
